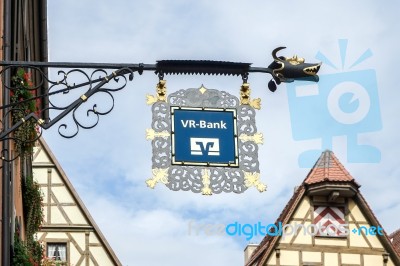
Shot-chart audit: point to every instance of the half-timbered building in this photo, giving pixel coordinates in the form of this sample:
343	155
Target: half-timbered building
69	233
331	223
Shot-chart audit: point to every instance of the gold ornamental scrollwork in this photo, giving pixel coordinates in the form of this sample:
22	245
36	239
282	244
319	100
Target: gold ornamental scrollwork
161	93
152	134
159	176
245	99
257	138
253	179
206	190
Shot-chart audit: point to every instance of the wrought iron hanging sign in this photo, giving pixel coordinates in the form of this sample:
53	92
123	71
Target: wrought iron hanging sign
205	140
199	131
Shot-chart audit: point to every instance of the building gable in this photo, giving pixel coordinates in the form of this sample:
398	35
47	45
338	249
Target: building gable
327	222
67	223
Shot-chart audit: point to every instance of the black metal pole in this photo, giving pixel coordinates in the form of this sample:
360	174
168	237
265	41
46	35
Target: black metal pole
134	67
6	230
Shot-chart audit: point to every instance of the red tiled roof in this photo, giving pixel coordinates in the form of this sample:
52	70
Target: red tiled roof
328	168
395	239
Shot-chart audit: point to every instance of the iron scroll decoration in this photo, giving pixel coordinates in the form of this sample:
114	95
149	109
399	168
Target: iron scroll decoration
76	83
96	82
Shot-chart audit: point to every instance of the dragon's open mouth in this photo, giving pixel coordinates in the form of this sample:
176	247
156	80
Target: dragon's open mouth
312	70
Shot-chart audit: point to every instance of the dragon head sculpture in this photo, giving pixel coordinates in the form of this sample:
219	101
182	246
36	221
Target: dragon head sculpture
288	69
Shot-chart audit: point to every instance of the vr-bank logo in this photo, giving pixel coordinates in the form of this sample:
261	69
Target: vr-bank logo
204	146
344	103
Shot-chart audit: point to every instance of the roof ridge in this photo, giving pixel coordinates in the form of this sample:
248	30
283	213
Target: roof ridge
328	168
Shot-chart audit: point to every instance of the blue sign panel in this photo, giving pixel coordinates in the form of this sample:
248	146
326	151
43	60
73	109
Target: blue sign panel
204	136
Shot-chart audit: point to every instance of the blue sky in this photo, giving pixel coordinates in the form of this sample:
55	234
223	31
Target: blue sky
108	165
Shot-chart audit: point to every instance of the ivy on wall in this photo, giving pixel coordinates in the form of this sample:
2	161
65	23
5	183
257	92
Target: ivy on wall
21	256
29	252
33	210
21	93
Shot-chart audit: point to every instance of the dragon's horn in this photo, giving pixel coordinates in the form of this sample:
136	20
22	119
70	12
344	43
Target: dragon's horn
275	51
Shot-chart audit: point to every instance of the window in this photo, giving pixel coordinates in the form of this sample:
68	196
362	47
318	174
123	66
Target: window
57	251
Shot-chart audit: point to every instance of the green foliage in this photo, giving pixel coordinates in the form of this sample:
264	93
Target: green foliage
30	252
21	257
19	94
32	199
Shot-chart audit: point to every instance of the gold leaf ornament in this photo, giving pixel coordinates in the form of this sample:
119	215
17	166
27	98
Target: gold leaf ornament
257	138
161	95
253	179
152	134
256	103
206	182
159	175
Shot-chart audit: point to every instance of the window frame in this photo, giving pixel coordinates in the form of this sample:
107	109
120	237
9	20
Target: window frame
58	242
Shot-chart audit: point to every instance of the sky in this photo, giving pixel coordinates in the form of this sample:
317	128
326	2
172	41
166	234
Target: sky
357	103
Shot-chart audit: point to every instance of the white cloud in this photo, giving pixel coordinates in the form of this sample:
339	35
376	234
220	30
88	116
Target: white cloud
158	236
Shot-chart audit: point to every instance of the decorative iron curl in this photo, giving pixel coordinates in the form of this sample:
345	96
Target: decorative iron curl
99	82
100	85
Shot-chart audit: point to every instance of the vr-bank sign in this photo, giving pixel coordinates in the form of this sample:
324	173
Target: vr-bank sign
204	136
204	141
